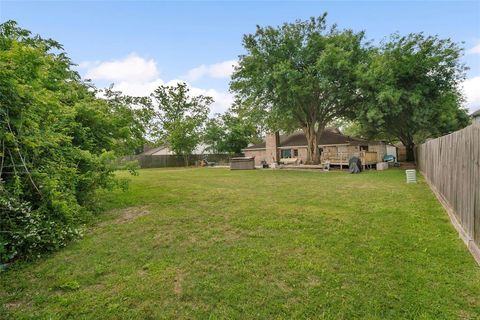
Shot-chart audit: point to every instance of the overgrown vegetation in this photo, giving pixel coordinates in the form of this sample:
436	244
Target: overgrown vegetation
264	244
58	141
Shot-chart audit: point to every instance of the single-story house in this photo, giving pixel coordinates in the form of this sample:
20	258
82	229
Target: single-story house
335	148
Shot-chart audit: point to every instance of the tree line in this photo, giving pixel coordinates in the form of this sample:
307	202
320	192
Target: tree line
60	135
307	74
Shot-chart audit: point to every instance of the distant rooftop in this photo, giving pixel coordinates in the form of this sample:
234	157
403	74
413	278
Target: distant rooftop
331	136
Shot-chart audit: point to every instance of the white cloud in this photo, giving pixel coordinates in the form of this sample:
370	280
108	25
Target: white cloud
222	100
137	76
217	70
138	89
474	50
132	68
471	89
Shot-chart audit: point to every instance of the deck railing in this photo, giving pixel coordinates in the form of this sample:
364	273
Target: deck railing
367	157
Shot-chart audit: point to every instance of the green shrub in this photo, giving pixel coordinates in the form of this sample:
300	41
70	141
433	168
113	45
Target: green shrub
58	144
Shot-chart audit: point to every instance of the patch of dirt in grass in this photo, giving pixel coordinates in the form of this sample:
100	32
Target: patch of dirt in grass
127	214
177	284
12	305
230	233
282	285
464	315
16	305
226	233
313	281
164	235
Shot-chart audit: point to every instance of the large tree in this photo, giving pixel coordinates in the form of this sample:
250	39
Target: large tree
181	117
411	90
302	74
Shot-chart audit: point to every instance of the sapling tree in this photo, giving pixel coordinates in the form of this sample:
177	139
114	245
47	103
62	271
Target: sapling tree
181	117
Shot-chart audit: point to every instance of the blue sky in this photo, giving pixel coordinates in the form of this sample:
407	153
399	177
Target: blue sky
141	44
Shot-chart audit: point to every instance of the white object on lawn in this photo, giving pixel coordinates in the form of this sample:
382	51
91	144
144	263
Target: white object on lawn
411	176
382	166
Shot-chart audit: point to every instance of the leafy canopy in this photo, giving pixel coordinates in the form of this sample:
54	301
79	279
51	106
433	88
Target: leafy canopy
303	74
411	89
229	133
181	117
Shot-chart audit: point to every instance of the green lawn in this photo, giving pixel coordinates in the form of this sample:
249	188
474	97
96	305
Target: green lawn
214	243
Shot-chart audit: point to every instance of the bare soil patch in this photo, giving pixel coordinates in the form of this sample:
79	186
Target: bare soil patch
177	285
127	215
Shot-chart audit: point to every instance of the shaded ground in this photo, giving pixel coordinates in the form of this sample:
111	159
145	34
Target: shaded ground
200	243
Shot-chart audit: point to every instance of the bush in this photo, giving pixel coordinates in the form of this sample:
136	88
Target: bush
26	233
58	144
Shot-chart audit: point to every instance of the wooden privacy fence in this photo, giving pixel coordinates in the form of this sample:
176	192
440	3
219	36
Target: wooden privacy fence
163	161
451	165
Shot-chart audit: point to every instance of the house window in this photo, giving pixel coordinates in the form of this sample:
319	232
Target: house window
295	153
363	148
286	153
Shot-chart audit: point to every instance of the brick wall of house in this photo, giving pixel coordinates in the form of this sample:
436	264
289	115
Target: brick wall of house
260	155
272	142
302	155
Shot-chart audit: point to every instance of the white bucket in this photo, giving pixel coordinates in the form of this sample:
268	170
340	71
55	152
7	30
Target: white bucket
411	176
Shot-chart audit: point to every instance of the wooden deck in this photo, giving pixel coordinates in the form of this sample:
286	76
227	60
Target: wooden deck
341	158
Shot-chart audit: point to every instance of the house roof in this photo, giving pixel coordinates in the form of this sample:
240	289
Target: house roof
154	150
330	136
476	114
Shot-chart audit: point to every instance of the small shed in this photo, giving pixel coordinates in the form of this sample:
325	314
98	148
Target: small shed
242	163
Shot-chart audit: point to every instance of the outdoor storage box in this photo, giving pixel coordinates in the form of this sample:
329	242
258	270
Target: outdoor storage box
242	163
382	166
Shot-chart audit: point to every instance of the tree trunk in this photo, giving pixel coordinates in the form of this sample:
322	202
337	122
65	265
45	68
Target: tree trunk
410	151
313	153
186	160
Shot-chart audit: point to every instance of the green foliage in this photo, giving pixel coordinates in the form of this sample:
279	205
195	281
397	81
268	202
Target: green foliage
181	117
302	74
349	128
214	134
117	122
28	231
411	89
58	143
229	133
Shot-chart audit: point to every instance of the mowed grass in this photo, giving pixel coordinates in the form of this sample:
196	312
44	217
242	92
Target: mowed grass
263	244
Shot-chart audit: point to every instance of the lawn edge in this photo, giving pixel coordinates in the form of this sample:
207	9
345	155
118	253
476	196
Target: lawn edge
467	240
